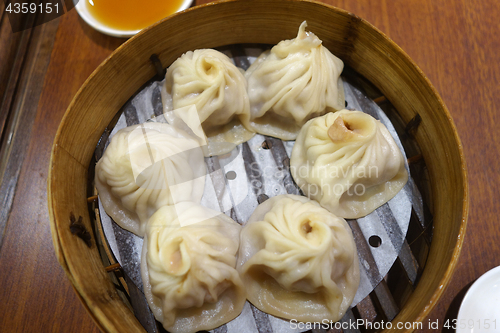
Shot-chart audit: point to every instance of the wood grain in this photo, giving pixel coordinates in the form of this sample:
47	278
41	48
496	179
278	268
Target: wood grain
454	43
13	48
21	111
39	296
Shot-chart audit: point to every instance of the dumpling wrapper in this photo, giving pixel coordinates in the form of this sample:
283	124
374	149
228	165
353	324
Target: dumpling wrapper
188	268
295	81
146	167
208	79
298	261
348	162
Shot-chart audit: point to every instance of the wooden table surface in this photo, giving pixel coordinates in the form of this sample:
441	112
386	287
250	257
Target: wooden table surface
455	43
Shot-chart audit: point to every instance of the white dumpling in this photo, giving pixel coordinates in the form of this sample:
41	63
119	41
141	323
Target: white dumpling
298	261
146	167
348	162
209	80
188	268
296	80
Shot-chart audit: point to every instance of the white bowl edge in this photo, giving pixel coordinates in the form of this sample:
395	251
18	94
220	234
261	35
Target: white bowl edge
90	20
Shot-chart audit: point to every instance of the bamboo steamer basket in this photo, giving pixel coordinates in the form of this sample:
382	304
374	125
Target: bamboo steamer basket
360	45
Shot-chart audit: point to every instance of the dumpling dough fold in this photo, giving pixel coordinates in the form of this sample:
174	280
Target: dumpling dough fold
188	268
298	261
146	167
348	162
296	80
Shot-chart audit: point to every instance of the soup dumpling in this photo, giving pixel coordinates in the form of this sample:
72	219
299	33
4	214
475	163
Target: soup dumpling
348	162
296	80
298	260
188	268
209	80
146	167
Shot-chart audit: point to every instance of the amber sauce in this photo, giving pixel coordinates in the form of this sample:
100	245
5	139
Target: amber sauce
131	14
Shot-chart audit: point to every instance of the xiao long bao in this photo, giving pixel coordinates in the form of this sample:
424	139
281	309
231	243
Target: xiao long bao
298	260
208	79
188	268
140	169
348	162
295	81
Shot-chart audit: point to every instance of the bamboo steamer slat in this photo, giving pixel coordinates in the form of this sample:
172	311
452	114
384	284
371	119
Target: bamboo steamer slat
356	42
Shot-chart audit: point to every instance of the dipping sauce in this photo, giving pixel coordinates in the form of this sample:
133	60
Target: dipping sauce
131	14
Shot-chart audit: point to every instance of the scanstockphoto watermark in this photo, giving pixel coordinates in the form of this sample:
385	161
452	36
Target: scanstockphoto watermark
237	181
25	14
354	325
327	171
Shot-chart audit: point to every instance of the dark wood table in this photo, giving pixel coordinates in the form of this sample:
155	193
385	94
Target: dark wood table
455	43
